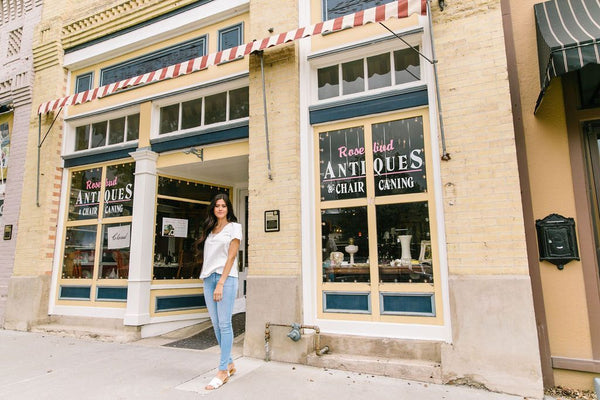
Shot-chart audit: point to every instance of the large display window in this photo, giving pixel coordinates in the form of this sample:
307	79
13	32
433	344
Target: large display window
181	209
378	259
97	233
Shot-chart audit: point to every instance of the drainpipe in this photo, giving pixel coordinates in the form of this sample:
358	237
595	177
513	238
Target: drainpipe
262	71
295	336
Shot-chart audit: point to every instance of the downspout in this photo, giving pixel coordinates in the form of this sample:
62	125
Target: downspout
262	71
445	154
37	188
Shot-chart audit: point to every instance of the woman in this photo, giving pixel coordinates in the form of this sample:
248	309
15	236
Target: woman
222	236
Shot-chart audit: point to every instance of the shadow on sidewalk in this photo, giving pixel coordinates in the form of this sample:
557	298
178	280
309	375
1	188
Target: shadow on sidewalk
206	339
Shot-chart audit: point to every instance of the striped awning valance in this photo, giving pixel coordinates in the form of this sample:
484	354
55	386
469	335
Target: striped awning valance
394	9
568	36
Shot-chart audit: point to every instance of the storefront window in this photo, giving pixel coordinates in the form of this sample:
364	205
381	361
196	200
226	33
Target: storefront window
399	157
180	213
342	164
80	245
97	244
345	245
118	190
116	240
404	243
375	218
85	192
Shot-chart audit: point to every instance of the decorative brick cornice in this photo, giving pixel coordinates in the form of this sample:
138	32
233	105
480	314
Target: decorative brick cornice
47	55
124	15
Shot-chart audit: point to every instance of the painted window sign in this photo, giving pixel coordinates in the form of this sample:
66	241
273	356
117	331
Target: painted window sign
399	157
398	160
342	164
86	189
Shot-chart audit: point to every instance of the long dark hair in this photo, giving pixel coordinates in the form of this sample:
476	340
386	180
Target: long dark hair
211	221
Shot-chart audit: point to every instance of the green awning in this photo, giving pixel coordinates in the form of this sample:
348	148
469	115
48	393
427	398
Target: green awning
568	37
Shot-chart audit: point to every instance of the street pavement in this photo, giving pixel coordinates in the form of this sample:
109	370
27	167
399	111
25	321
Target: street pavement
47	367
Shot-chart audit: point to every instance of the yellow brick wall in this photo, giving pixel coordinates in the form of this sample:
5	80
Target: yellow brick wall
482	204
274	253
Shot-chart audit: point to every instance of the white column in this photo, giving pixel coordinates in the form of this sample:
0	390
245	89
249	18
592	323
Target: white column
142	237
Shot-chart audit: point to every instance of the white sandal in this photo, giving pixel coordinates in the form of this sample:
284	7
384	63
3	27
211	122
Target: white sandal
216	383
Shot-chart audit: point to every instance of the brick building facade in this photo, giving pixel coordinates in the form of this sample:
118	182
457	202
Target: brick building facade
421	260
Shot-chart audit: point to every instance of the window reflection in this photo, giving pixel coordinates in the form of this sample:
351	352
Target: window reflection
345	245
399	157
169	118
239	104
117	130
404	243
82	137
178	227
99	134
342	164
407	66
328	82
353	77
379	71
191	113
116	240
78	259
215	108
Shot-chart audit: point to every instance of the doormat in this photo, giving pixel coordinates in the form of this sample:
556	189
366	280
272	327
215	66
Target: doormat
206	339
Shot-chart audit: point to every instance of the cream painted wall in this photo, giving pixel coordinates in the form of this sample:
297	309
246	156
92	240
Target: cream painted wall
212	45
552	192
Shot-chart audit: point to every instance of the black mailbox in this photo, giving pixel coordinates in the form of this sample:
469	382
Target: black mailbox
557	240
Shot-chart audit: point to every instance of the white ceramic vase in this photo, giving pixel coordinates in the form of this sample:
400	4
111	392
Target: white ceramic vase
406	258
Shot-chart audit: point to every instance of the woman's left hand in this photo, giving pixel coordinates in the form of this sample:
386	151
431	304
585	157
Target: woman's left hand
218	293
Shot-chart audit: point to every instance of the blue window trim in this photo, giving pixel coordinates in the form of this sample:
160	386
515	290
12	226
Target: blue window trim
368	105
77	82
416	313
240	29
112	293
202	39
346	311
75	160
76	289
202	137
181	302
138	26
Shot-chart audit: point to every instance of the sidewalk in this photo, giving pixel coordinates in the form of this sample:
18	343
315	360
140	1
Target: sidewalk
40	366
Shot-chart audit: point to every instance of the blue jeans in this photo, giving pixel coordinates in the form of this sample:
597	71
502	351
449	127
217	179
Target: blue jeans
220	314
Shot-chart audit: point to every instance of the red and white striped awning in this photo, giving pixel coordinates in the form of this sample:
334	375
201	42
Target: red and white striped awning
395	9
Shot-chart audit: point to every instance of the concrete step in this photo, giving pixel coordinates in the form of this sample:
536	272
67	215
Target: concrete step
105	329
377	347
418	370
